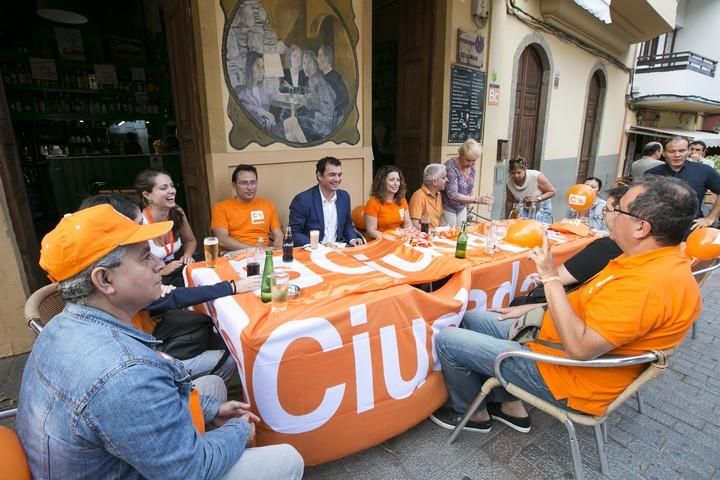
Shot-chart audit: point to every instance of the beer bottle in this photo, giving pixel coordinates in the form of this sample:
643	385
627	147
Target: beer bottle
265	286
515	212
288	246
461	245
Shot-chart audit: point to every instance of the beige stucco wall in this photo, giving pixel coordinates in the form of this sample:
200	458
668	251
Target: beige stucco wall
283	171
15	337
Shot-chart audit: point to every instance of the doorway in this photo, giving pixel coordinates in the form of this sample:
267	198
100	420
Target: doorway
529	96
591	128
403	40
65	133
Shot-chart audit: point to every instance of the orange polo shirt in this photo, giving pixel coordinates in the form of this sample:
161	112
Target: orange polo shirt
389	215
423	202
637	303
246	221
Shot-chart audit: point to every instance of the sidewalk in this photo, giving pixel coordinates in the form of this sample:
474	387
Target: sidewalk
677	436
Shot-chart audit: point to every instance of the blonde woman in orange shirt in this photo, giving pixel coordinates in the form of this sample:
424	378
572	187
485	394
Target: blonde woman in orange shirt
387	208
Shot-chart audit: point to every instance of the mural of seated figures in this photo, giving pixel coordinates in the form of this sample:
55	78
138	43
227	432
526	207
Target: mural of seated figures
291	70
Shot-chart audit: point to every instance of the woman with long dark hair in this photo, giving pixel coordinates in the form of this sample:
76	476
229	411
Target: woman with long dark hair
387	208
176	248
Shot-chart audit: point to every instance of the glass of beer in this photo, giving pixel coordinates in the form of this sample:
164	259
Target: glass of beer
212	250
251	262
314	239
279	287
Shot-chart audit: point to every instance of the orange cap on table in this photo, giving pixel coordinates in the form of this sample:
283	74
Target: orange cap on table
84	237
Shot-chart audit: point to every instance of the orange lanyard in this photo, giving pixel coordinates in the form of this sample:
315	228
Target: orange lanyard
170	237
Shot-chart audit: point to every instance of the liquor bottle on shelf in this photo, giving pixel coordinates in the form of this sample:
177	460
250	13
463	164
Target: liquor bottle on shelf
265	286
461	245
287	246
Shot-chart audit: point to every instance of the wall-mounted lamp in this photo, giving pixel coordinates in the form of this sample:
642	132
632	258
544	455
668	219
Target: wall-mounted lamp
61	11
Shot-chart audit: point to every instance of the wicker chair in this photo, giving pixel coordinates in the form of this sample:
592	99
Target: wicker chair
657	361
42	306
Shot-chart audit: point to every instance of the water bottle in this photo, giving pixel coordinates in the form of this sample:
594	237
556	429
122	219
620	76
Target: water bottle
287	246
265	286
461	245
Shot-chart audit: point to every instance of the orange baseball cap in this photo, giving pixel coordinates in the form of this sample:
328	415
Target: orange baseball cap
83	237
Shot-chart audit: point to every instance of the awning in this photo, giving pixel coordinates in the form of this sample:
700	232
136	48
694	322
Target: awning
710	139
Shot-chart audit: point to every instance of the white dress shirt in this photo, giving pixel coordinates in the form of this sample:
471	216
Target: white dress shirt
330	218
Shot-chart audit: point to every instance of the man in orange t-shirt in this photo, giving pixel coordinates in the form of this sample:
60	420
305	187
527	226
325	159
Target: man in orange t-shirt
426	202
239	222
628	308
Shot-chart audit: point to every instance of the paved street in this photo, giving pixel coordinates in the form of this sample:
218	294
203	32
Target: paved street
678	435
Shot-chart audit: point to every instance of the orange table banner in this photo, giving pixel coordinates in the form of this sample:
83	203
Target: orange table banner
352	360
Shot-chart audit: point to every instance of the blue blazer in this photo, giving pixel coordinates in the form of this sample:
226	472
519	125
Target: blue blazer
306	213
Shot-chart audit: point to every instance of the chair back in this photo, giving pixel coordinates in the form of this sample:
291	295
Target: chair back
42	306
702	269
358	217
13	461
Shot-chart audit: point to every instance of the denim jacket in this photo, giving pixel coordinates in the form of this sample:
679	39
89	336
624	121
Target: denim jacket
96	401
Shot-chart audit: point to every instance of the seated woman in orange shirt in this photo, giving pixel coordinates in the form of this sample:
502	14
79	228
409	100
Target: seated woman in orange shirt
387	208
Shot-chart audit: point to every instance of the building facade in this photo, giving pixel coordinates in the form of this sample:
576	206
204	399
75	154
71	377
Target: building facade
548	80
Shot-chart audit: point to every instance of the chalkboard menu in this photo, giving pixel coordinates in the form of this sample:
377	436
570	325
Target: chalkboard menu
467	100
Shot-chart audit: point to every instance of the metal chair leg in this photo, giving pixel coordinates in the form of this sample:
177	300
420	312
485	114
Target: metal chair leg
639	402
575	450
694	327
604	430
466	418
601	448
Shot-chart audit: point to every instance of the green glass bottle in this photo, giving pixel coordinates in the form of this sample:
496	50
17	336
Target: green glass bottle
461	245
265	287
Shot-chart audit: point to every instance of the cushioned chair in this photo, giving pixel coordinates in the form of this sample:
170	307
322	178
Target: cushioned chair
43	305
657	361
358	218
13	462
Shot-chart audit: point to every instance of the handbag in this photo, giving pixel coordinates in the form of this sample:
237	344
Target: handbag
526	328
185	334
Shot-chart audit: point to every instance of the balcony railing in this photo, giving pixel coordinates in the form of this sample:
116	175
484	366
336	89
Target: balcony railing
667	62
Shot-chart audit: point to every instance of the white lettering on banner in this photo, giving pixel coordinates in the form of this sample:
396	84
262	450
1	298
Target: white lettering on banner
266	369
507	288
480	298
306	278
363	372
363	361
407	266
445	321
529	280
320	259
386	271
397	387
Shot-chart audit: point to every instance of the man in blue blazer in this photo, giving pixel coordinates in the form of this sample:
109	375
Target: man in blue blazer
323	207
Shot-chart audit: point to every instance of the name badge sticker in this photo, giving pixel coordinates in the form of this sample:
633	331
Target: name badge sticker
257	216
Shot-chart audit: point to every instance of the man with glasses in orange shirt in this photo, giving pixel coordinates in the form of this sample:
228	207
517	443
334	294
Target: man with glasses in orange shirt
238	222
627	309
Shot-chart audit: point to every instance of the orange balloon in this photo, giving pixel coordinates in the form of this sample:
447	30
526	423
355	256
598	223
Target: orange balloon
525	233
12	457
580	197
703	244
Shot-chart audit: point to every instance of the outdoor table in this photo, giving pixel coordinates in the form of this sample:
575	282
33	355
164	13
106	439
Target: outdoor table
352	360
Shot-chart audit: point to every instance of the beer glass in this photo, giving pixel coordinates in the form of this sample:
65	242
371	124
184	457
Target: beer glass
314	239
279	286
211	246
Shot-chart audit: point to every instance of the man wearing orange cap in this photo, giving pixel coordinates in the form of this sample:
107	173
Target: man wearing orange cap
96	400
